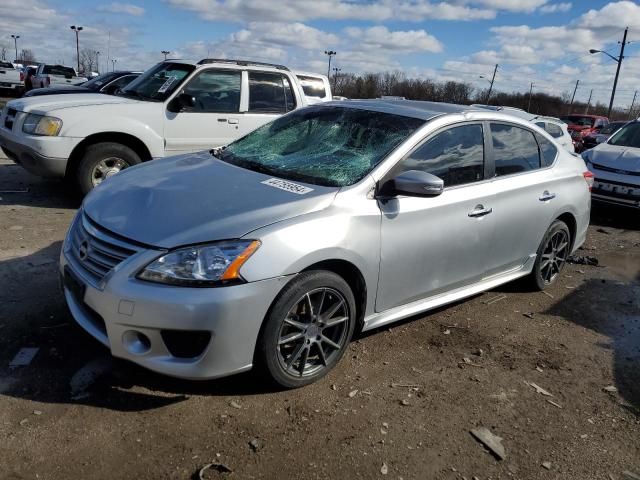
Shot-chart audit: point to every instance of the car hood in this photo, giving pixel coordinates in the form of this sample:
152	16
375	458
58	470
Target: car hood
49	103
196	198
619	158
62	89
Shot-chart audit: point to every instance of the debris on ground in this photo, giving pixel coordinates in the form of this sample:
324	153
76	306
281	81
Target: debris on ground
333	387
602	230
547	465
384	469
467	361
548	294
404	402
353	393
234	404
447	332
37	412
404	385
630	475
254	444
491	441
23	422
495	299
539	389
84	378
528	314
583	260
610	389
554	403
206	471
24	357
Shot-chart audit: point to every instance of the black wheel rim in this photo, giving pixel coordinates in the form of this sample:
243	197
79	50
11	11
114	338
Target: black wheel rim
554	256
313	333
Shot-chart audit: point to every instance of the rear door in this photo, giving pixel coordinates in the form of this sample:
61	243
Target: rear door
431	245
525	190
213	120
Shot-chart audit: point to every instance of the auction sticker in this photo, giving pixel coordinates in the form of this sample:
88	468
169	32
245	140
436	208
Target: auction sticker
287	186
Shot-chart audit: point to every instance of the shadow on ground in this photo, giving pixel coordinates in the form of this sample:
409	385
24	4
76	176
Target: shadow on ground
18	187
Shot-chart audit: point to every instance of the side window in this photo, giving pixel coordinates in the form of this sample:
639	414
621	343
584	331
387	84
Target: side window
312	86
215	91
455	155
515	149
554	130
548	151
121	82
270	93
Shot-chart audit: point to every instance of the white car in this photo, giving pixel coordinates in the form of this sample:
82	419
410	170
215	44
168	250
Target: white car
48	75
175	107
315	87
558	130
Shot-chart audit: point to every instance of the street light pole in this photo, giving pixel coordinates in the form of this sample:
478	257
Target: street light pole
98	61
530	93
331	53
618	60
165	53
113	63
77	30
15	43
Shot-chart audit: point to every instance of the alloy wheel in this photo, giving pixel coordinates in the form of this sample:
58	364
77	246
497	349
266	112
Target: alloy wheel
554	256
314	332
106	168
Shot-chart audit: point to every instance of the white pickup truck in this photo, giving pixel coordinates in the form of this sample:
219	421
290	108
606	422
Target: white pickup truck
53	75
173	108
10	77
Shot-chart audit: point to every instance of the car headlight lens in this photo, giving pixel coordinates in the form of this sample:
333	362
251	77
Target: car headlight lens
201	265
41	125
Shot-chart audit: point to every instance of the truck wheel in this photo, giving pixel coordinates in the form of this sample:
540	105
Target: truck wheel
101	161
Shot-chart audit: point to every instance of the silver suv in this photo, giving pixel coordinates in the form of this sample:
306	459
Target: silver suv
342	216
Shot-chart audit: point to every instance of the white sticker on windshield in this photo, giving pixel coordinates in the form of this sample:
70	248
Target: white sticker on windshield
287	186
165	86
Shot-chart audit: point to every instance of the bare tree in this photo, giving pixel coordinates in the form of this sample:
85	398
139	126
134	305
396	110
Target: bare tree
88	60
27	56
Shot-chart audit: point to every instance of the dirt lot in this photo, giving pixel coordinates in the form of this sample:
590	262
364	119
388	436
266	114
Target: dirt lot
416	397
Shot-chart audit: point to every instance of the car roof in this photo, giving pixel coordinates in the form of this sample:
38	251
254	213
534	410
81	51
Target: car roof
407	108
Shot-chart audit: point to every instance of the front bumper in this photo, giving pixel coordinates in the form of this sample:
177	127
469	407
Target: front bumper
120	308
616	189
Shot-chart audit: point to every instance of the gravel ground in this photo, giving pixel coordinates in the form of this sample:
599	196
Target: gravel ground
400	405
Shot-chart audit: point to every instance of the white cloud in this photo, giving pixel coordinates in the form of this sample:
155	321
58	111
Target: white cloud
126	8
512	5
556	7
381	38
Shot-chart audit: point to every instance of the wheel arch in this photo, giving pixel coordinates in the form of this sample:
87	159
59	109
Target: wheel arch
570	220
131	141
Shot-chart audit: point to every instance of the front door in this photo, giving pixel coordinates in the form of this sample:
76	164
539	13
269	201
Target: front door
213	121
431	245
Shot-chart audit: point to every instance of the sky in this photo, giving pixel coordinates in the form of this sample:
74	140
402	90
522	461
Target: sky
546	42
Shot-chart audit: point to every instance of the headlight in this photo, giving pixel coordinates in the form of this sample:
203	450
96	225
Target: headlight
41	125
201	265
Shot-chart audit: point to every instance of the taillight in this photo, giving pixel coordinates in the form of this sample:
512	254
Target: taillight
22	76
589	178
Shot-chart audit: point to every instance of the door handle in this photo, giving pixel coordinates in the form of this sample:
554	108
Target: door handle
233	121
480	211
546	196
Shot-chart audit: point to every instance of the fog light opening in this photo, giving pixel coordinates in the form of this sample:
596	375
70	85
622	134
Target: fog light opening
136	343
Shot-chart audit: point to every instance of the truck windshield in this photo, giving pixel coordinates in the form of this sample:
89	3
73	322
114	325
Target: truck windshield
627	136
329	146
159	82
579	120
100	81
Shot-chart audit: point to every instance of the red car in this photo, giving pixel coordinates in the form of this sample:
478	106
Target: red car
580	126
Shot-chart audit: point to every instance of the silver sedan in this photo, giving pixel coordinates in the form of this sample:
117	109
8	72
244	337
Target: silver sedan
271	252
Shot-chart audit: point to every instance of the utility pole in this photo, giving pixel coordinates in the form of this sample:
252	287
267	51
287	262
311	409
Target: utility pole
336	70
633	103
573	96
586	110
15	43
493	78
113	62
615	81
98	61
165	53
530	93
331	53
77	30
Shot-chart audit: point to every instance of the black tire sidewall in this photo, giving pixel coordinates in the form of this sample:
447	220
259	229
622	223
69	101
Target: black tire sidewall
266	349
96	153
536	274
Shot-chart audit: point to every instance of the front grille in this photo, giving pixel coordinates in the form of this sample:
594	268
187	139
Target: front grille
615	170
10	117
96	251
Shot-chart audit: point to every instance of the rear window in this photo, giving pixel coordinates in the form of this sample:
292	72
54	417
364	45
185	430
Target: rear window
579	120
312	86
59	70
515	149
548	151
6	65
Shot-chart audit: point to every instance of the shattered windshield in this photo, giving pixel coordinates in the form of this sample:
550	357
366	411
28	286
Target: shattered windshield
157	83
330	146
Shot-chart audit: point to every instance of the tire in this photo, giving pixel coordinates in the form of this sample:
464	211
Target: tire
296	348
114	157
551	256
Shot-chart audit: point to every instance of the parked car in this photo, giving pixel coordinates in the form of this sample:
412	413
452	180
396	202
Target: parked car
315	87
596	138
108	83
175	107
517	112
47	75
558	130
582	125
10	78
616	166
270	252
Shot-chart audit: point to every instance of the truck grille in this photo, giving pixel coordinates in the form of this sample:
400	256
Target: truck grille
96	252
10	118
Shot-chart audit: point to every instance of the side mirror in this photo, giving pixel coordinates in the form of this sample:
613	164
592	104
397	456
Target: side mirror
182	101
415	183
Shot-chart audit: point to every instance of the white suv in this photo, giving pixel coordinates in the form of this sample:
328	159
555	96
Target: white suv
175	107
